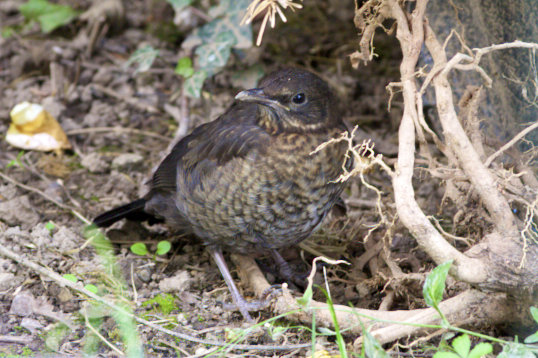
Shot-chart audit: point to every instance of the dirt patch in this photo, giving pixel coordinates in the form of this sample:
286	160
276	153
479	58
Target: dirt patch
120	130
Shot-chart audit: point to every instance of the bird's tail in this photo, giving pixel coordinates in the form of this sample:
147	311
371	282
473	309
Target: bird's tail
133	211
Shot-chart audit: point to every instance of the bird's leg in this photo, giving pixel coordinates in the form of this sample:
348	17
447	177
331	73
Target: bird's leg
243	305
287	273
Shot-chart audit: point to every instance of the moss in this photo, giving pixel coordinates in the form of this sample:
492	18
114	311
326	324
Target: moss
27	352
165	303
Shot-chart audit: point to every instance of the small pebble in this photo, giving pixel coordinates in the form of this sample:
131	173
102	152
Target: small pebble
127	161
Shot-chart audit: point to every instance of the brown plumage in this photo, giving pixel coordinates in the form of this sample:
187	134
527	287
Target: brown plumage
247	182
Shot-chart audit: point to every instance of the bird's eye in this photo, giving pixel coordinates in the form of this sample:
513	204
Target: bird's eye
299	98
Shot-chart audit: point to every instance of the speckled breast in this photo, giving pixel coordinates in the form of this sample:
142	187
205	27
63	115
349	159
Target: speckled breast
268	201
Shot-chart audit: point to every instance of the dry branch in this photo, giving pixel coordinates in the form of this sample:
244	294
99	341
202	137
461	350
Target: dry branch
466	269
470	162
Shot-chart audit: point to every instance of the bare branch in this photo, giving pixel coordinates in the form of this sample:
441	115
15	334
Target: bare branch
514	140
478	174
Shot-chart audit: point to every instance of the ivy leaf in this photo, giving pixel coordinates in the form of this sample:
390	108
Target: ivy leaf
179	5
192	86
228	15
213	56
208	33
144	57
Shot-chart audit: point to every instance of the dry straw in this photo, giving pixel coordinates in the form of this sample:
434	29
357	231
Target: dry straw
272	6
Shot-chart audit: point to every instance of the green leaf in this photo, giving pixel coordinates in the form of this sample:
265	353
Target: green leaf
35	8
233	334
307	297
533	338
70	277
480	350
50	16
209	33
339	338
7	32
226	7
52	21
163	247
50	226
139	248
326	331
91	288
17	161
534	313
178	5
435	284
184	67
372	348
243	34
213	56
462	345
192	86
144	57
516	350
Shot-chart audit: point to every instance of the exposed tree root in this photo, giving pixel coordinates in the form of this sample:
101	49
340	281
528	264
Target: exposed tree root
470	307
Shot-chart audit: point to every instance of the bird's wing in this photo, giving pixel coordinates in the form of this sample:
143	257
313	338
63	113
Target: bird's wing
233	135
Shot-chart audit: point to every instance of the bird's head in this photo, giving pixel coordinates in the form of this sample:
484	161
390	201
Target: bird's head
294	100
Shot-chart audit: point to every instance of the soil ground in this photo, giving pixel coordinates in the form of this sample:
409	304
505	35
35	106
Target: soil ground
97	175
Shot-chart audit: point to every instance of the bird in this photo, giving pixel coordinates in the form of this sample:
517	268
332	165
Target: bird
251	181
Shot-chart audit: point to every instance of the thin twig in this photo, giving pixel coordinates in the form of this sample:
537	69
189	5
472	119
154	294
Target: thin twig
37	191
514	140
132	101
116	130
444	233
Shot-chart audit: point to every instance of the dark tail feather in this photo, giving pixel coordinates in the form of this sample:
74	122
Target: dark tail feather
133	211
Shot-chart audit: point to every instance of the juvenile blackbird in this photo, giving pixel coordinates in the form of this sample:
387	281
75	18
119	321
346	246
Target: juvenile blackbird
247	182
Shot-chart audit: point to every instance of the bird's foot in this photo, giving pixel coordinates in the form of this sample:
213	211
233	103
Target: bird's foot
292	276
271	292
245	306
287	273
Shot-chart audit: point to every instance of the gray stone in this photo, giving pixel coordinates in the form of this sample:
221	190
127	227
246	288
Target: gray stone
95	163
18	211
31	325
22	304
127	161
